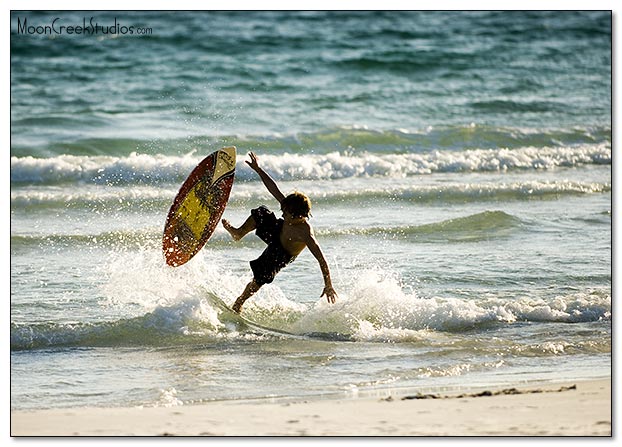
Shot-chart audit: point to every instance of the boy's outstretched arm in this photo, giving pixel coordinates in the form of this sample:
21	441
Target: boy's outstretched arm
315	249
265	178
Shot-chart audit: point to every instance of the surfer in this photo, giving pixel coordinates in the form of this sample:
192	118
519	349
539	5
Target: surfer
286	237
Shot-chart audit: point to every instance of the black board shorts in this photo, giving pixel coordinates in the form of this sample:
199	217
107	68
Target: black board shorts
274	257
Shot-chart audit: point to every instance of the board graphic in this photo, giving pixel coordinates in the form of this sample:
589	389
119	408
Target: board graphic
198	207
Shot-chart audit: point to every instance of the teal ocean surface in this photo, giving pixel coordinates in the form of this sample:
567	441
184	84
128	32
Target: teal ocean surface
459	165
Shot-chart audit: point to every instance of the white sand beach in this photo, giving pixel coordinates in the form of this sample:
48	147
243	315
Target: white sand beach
570	409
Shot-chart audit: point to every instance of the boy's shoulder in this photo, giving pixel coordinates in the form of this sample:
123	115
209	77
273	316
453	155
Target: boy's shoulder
301	227
304	224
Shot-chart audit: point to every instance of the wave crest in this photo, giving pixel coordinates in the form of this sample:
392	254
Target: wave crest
163	169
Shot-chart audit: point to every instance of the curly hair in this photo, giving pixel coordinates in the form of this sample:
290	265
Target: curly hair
297	204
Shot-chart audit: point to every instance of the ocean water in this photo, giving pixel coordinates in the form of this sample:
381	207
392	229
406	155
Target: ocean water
459	165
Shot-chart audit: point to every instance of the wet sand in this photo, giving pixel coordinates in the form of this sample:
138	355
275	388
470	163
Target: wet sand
570	409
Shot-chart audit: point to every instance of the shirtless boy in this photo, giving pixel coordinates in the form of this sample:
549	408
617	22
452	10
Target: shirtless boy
286	237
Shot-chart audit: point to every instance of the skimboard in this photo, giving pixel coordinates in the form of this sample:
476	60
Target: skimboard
198	207
230	315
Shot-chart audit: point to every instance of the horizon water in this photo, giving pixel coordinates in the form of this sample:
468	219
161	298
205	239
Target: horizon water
459	166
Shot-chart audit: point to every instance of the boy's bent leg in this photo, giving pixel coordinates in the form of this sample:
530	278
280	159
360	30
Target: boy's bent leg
238	233
250	289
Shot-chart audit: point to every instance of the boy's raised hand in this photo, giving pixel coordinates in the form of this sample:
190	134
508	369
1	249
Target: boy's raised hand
253	162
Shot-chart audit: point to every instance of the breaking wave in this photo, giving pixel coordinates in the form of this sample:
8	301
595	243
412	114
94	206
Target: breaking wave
376	309
166	169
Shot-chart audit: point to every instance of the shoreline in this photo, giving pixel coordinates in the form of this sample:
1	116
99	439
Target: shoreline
579	408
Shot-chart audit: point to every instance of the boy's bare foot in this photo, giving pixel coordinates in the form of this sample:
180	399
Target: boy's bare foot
237	307
232	230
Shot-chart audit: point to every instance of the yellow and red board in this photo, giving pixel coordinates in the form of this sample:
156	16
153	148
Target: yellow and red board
198	207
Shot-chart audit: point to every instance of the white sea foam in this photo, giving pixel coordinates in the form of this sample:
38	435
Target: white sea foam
168	398
154	169
135	168
378	308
